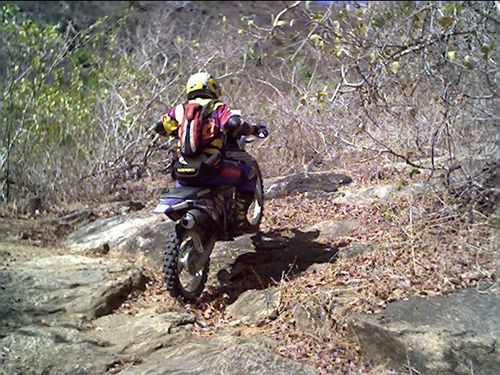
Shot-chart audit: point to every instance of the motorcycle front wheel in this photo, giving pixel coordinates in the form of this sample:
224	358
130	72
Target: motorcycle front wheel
256	210
184	276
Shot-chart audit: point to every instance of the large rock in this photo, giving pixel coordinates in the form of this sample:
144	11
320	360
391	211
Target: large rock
139	235
304	182
118	208
453	334
162	343
74	217
376	193
143	333
222	354
332	228
11	253
55	318
355	250
225	252
147	245
116	338
146	342
63	288
254	306
36	349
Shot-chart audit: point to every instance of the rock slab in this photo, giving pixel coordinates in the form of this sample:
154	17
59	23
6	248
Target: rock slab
304	182
63	288
38	349
224	354
140	236
332	228
452	334
45	304
254	306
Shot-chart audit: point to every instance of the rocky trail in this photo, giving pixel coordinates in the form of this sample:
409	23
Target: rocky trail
327	286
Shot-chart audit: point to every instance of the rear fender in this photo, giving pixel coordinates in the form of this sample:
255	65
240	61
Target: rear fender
168	205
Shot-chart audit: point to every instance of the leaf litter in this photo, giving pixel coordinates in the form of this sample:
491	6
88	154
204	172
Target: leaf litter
422	244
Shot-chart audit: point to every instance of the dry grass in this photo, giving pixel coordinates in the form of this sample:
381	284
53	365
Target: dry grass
424	247
424	244
313	125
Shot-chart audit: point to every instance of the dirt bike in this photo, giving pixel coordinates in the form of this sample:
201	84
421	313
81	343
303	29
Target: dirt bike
203	216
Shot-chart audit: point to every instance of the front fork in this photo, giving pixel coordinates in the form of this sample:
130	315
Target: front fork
195	258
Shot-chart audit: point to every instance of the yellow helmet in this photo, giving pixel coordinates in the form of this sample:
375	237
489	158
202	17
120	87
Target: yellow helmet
203	85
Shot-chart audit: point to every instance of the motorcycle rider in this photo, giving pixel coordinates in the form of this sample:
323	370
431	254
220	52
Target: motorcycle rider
225	127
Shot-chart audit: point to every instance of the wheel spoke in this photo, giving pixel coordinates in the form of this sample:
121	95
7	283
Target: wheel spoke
183	254
191	247
195	281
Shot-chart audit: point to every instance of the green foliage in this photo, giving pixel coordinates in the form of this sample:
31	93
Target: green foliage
44	89
395	67
414	172
446	21
454	8
487	49
205	7
306	73
82	56
51	85
399	67
452	55
401	184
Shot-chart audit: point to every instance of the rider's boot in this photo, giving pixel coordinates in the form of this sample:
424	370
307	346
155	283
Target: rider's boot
243	200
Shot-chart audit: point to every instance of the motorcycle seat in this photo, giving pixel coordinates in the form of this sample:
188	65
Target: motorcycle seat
189	192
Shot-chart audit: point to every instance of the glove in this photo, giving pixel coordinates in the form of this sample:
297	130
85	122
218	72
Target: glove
158	128
262	131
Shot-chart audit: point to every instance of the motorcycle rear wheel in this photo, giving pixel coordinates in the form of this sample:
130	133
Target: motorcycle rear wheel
180	274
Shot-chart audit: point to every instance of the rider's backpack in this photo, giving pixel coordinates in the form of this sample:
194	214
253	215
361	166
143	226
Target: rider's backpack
197	129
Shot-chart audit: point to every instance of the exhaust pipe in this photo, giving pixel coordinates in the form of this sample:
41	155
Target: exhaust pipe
195	217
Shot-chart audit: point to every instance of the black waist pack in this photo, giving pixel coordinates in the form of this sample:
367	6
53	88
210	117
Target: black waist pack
194	170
